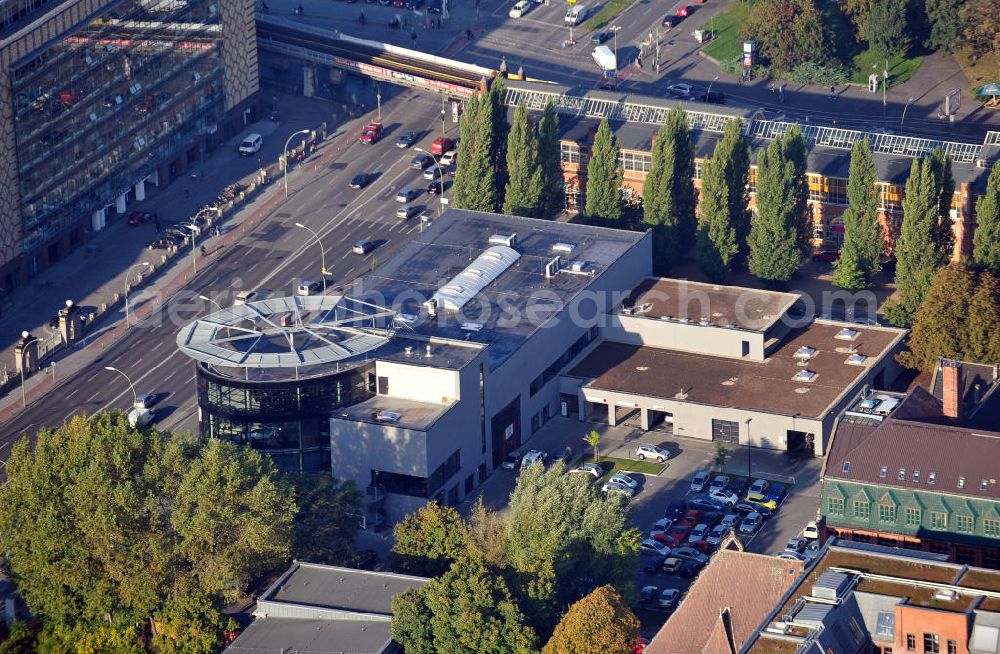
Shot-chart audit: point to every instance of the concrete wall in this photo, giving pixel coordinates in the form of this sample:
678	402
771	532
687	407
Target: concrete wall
712	340
420	383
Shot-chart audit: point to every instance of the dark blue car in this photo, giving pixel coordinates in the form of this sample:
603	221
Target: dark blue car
776	492
705	503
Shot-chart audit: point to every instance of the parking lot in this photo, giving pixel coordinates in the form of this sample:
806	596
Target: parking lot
655	492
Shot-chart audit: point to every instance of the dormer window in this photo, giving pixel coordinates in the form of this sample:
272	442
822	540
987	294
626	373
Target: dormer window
961	482
883	472
916	476
902	474
931	478
847	466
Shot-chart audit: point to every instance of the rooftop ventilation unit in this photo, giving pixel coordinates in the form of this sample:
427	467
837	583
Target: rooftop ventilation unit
804	376
830	585
432	307
578	266
564	248
472	326
856	359
552	267
479	274
846	334
886	406
390	417
504	239
805	353
946	595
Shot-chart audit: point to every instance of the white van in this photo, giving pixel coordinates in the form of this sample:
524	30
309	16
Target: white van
576	15
251	144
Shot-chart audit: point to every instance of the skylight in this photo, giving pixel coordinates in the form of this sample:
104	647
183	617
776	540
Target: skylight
857	359
884	472
804	376
983	485
477	275
902	474
847	466
805	353
931	478
961	482
846	334
916	476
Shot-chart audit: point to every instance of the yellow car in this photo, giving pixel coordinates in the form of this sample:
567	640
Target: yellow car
761	500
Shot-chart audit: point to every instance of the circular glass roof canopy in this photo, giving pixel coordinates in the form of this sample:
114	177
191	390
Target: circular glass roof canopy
288	332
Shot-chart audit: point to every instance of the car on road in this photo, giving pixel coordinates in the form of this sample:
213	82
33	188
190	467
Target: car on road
588	469
404	213
421	161
644	452
433	172
719	482
512	461
725	497
308	287
718	532
671	20
360	180
405	140
699	532
698	483
672	565
653	547
599	37
407	195
680	90
434	188
520	8
145	401
750	523
164	243
244	297
705	503
617	487
362	247
689	554
684	11
251	144
448	158
826	255
533	457
622	478
668	598
811	530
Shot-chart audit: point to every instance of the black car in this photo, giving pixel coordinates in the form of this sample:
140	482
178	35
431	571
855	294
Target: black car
671	21
738	487
675	510
597	38
452	170
746	508
421	161
434	7
406	139
434	188
651	563
360	180
162	244
705	503
711	97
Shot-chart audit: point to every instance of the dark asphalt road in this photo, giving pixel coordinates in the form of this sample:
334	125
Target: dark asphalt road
272	259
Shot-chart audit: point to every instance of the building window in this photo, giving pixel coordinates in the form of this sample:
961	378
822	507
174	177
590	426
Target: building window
553	369
961	482
939	520
835	505
892	197
726	431
837	193
991	528
912	517
939	547
862	509
931	644
911	643
965	523
991	559
952	647
635	161
569	153
965	556
886	513
697	169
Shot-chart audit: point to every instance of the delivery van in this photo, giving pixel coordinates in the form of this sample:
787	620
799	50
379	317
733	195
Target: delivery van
576	15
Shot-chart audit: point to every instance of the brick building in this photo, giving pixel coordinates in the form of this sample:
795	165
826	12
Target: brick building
635	120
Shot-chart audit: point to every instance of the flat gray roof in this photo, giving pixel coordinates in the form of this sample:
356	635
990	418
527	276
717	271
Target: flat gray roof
344	589
394	412
297	635
747	308
516	304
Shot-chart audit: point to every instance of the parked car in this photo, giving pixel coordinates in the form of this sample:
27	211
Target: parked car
139	218
405	140
705	503
407	195
360	180
812	549
362	247
408	211
827	255
719	482
811	531
533	457
164	243
677	534
730	520
675	510
588	469
243	297
644	452
760	500
680	90
672	565
178	233
512	461
698	483
651	563
692	517
791	556
718	532
622	478
738	487
308	287
654	547
711	97
599	37
758	486
421	161
661	526
796	544
701	545
744	508
699	532
689	554
776	492
668	599
750	523
251	144
519	9
617	487
725	497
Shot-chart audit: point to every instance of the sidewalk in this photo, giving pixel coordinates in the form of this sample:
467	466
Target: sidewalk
123	247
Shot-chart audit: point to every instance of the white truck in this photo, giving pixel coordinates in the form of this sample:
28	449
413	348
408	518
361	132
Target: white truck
606	59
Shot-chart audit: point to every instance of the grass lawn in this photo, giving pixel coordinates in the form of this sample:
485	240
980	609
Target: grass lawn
900	68
612	465
607	14
727	44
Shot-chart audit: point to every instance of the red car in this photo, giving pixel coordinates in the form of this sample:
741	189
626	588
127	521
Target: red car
827	255
691	518
139	218
675	536
399	4
684	11
371	133
702	546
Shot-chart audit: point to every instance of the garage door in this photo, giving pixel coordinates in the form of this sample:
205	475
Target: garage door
726	431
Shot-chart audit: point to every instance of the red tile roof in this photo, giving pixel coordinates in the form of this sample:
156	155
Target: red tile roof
749	585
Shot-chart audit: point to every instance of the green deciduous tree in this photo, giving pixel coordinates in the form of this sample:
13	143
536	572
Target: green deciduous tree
524	176
860	255
917	254
946	24
796	151
553	194
788	32
604	176
724	221
885	29
986	239
594	440
857	11
721	454
428	540
411	622
326	523
600	623
773	240
102	523
668	190
981	26
981	337
938	324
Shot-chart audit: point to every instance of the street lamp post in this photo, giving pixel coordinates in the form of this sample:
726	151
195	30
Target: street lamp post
749	451
138	265
322	252
714	80
208	299
885	82
135	397
284	153
901	118
615	28
440	173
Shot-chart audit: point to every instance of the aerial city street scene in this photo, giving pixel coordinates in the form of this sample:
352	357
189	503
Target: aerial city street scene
500	327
